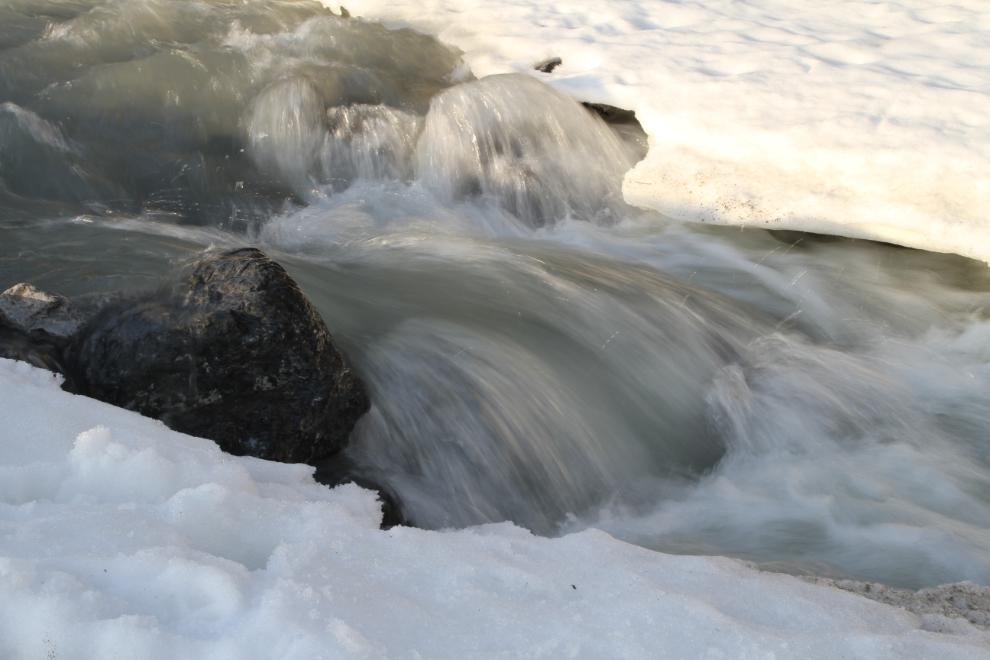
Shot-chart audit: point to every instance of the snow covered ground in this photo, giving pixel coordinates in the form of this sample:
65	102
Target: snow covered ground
867	119
122	539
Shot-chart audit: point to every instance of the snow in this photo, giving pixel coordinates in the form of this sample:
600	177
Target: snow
866	119
121	538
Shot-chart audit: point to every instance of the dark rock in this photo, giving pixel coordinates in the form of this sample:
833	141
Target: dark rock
795	238
16	345
234	352
549	65
611	114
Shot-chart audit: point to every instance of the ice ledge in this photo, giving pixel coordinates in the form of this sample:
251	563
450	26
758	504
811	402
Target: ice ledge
940	213
846	118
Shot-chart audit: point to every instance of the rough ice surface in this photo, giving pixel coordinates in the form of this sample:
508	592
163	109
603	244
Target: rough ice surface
121	538
940	607
856	118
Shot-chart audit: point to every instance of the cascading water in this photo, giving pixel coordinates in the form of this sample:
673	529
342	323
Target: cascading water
536	350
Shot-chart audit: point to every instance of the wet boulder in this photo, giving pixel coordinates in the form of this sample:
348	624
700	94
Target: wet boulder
232	351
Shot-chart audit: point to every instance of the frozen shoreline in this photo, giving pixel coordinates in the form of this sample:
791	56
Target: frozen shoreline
855	119
120	533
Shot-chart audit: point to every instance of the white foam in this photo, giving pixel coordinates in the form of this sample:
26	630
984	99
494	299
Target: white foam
529	147
861	119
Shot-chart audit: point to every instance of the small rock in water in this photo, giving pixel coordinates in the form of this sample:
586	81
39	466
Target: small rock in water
233	352
549	65
27	308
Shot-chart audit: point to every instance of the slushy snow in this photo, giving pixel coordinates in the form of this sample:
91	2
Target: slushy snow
121	538
865	119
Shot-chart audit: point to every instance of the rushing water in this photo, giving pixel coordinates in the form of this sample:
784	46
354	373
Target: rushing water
535	349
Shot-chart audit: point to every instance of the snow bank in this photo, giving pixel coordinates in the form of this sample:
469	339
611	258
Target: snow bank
120	538
862	119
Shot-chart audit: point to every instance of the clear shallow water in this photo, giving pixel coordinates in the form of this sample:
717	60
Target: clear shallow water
535	350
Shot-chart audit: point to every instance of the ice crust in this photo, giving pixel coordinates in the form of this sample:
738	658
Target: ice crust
119	537
861	119
939	607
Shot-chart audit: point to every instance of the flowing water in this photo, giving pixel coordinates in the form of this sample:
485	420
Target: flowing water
535	350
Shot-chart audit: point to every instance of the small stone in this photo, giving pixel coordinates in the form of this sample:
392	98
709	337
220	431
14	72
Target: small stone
27	308
549	65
